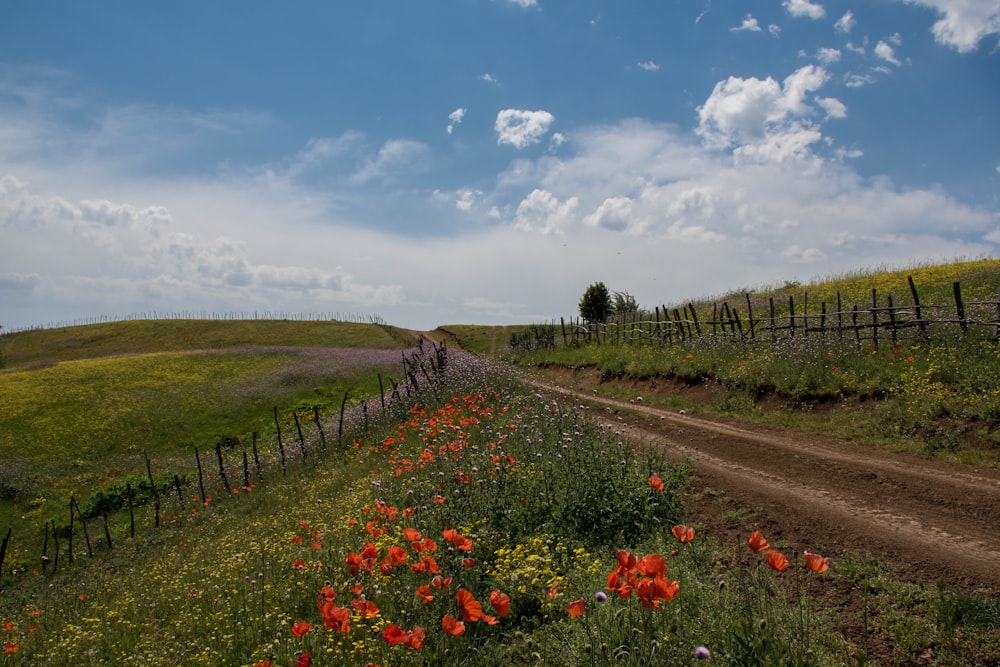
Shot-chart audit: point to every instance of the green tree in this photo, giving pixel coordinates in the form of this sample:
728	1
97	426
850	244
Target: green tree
596	305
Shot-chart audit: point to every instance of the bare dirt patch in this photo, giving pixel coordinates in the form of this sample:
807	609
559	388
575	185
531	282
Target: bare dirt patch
929	520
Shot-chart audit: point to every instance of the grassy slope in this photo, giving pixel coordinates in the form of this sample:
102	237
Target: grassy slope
79	405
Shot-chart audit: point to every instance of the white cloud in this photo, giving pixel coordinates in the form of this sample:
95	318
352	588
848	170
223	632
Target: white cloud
965	22
828	56
649	66
454	118
520	128
886	53
762	119
846	22
804	8
854	80
775	30
834	108
524	3
466	198
394	156
543	212
749	24
488	78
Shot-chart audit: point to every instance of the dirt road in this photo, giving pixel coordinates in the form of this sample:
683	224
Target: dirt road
929	519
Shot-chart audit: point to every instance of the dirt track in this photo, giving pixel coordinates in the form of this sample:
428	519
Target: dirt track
929	519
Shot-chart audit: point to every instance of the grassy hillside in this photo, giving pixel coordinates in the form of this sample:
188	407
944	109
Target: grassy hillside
78	406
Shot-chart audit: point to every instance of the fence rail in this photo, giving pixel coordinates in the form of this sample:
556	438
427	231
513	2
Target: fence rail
877	321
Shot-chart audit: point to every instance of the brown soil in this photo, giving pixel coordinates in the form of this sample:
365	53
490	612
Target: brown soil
926	519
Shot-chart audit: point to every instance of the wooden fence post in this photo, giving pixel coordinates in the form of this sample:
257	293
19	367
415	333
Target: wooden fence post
916	308
45	548
791	316
152	486
960	307
753	336
256	458
246	470
107	531
3	549
83	524
381	395
281	446
55	547
201	478
222	467
774	330
874	320
343	404
180	494
319	425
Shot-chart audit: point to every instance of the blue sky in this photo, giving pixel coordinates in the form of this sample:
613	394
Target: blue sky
483	161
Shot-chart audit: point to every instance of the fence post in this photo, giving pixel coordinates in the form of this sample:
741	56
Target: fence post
45	548
83	523
892	320
319	426
791	316
71	530
131	512
753	336
222	467
180	494
298	427
3	550
774	331
256	458
916	308
107	531
340	425
246	470
201	478
874	319
152	486
960	307
281	446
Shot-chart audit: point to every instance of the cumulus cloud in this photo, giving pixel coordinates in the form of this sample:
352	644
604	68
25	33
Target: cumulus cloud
520	128
828	56
804	8
543	212
965	23
524	3
749	24
885	52
834	108
488	78
454	118
649	66
846	22
762	119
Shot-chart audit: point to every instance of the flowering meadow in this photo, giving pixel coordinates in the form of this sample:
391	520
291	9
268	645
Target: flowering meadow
477	524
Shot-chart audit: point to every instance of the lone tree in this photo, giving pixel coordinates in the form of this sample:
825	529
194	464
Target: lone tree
596	305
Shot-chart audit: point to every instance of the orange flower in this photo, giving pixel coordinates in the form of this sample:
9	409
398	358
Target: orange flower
468	562
757	542
815	562
10	648
777	560
366	608
618	585
412	535
301	628
453	626
626	562
576	607
8	626
300	564
441	582
472	610
336	618
500	602
656	483
683	533
652	565
393	634
424	593
263	663
415	638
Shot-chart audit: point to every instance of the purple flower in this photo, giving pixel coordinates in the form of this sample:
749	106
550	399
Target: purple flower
601	596
702	653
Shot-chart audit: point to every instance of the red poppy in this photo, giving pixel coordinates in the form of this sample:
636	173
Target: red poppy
336	618
263	663
757	542
10	648
777	560
300	564
652	565
576	607
424	593
453	626
301	628
441	582
8	626
449	534
393	634
296	539
656	483
626	562
472	610
815	562
619	586
304	660
500	602
326	594
412	535
415	638
468	562
683	533
366	608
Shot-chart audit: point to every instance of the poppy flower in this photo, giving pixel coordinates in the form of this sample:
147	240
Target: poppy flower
441	582
500	602
304	660
300	564
301	628
777	560
652	565
757	543
576	607
815	562
683	533
626	562
366	608
424	593
415	638
393	634
412	535
452	626
656	482
8	626
619	586
9	648
263	663
468	562
472	610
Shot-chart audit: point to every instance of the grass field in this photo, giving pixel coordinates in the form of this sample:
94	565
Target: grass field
477	523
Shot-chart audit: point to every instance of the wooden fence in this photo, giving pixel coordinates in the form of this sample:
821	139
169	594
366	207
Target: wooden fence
881	319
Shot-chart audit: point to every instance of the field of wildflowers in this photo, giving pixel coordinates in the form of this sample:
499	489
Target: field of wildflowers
481	524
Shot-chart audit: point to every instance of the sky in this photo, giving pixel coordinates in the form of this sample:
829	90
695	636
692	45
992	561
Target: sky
482	161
